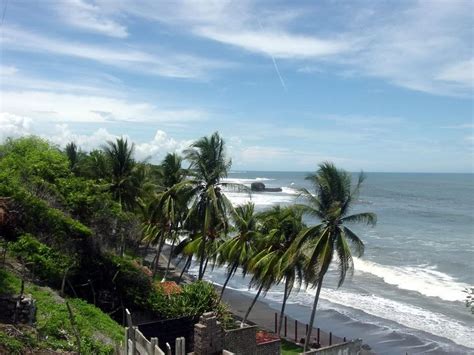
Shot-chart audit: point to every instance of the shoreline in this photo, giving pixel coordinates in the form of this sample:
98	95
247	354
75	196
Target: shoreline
262	314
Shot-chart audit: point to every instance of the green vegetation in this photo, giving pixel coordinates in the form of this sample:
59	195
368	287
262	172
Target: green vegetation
332	201
80	221
98	332
288	348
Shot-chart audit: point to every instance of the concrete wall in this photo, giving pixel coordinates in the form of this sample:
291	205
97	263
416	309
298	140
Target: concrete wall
208	335
14	309
241	341
270	348
349	348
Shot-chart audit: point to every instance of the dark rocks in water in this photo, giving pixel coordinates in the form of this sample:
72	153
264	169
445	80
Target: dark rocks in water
260	187
273	189
257	186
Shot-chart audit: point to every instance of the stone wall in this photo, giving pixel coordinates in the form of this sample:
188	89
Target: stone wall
349	348
208	335
241	341
269	348
14	309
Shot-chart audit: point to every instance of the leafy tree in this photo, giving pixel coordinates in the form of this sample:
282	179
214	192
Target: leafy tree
120	157
282	226
72	153
331	203
237	250
208	215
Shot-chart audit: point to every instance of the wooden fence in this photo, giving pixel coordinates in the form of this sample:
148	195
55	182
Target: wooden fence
137	344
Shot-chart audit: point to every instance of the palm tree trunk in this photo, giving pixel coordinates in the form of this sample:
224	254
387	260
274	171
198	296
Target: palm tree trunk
186	265
169	259
313	313
251	306
157	257
204	268
229	275
282	312
202	259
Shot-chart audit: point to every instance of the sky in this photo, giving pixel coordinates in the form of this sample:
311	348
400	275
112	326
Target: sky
369	85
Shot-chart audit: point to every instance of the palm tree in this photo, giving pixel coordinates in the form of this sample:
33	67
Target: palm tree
237	250
331	203
283	226
208	213
120	157
152	227
72	153
174	200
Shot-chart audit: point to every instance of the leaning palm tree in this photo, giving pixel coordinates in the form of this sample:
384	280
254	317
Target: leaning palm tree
209	210
174	199
331	203
237	250
283	226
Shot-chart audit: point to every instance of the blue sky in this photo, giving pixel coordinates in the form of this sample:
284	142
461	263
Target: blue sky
372	85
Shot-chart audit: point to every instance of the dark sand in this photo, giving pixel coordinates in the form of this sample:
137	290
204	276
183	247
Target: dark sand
264	316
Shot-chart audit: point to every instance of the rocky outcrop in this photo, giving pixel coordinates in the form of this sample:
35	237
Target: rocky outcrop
260	187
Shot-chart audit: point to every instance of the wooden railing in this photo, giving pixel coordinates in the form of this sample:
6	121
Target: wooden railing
137	344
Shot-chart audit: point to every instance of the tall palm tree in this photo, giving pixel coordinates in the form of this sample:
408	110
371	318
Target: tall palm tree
120	157
174	199
331	203
283	226
237	250
209	210
72	153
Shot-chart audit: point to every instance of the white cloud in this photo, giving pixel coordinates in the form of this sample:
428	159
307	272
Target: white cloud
89	17
13	125
160	146
413	46
166	63
53	106
7	70
461	72
277	44
419	45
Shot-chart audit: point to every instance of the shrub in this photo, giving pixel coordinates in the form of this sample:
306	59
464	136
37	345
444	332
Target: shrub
44	262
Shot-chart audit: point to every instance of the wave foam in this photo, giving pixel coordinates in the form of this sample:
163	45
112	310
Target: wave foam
404	314
422	279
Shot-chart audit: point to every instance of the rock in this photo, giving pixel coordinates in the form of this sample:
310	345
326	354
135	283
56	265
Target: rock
273	189
257	186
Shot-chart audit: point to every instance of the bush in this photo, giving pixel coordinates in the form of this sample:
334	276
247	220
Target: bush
46	263
194	299
98	332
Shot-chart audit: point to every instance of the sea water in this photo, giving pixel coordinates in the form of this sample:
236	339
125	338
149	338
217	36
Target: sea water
407	291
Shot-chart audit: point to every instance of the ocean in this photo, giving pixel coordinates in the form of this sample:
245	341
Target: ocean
406	293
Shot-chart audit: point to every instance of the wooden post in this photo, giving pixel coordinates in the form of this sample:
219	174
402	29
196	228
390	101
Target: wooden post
276	323
296	331
129	318
319	336
344	339
285	326
154	345
180	346
126	341
330	338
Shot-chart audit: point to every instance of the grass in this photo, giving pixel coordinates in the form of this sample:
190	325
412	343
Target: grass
288	348
98	332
